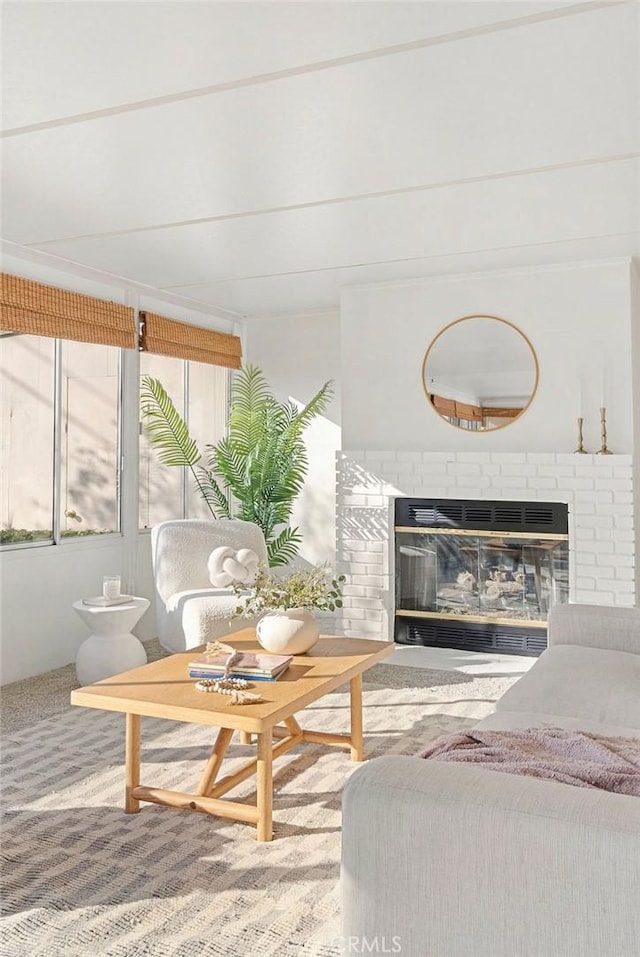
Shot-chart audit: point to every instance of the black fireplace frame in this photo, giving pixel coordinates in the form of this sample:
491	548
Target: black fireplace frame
527	518
477	515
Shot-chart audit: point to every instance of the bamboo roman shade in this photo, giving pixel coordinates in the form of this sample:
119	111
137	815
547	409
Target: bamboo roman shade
471	413
444	406
166	337
501	412
457	410
40	310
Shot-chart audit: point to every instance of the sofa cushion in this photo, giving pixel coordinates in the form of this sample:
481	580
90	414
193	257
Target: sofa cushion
515	720
576	682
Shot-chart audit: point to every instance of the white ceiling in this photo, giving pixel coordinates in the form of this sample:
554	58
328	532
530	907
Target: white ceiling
260	156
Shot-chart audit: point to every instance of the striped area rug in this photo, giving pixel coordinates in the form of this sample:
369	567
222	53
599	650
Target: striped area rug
82	878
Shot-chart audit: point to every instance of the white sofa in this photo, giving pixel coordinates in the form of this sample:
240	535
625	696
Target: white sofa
452	860
189	610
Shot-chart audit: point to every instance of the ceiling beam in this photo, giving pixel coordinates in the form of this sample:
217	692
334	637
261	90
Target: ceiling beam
566	10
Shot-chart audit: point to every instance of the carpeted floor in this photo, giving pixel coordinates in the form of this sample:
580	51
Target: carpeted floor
80	877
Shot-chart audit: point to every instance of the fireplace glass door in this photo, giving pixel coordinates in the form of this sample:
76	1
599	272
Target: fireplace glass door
490	576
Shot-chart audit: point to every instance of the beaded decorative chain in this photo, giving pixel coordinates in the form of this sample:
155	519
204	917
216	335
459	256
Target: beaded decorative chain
222	685
234	687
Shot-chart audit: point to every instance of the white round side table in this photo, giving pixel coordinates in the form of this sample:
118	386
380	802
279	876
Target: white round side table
110	648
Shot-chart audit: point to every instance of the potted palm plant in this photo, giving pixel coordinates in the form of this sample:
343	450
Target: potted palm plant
257	471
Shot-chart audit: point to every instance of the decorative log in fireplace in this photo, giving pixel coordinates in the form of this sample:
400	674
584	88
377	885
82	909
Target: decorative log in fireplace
479	575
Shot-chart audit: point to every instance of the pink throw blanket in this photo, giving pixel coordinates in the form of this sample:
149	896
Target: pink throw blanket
570	757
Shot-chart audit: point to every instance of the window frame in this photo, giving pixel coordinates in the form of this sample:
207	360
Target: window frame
57	538
128	448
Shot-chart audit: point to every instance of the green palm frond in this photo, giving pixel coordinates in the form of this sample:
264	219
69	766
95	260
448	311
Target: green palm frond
213	495
269	466
167	431
229	462
165	427
249	400
315	406
275	513
301	419
284	547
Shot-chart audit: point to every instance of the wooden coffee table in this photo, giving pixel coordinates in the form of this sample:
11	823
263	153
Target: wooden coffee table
162	689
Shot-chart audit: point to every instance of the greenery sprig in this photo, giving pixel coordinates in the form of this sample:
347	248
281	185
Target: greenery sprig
305	588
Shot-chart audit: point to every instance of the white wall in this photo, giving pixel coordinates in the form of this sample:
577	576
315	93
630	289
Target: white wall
578	320
297	355
38	627
40	630
635	348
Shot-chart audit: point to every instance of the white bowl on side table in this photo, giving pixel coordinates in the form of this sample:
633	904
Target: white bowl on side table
110	648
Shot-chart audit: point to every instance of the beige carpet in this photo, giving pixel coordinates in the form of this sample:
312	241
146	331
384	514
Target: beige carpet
80	877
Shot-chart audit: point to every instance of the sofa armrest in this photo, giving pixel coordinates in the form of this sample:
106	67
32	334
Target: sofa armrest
595	626
445	860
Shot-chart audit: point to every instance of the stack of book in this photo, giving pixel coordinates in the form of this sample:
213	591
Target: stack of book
253	667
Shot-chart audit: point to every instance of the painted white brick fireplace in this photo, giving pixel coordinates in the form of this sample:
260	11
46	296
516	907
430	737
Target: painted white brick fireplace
597	489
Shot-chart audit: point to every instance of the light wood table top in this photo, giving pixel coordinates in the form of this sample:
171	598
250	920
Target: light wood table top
162	689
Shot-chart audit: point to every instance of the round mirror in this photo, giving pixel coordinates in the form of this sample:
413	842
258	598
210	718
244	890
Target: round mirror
480	373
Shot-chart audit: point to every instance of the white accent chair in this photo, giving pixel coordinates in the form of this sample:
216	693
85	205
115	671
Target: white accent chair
189	610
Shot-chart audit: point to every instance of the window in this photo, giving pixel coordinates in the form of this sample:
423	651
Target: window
167	492
161	487
84	482
27	383
89	499
208	411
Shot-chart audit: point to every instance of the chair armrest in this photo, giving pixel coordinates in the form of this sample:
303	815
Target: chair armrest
453	860
595	626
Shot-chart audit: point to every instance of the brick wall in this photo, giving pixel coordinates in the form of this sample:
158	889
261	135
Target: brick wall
597	489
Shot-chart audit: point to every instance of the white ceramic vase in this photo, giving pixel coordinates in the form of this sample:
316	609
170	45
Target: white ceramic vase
290	632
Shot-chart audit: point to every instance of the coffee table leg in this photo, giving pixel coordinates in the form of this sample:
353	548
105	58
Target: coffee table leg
357	748
132	762
265	786
213	764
